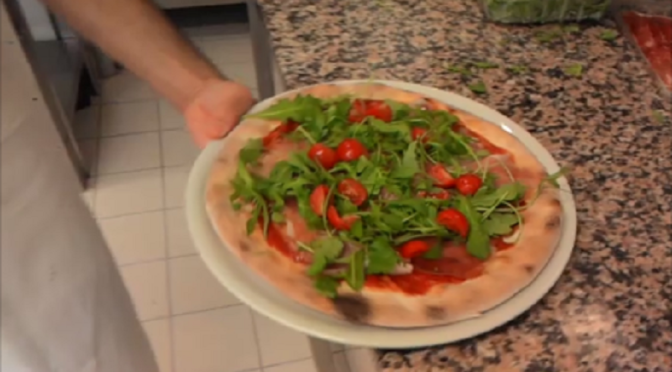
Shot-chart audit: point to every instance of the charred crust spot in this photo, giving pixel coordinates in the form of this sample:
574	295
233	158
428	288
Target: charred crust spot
553	222
528	268
435	312
354	308
244	246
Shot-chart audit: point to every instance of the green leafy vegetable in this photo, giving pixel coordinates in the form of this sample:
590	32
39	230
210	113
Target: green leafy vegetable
327	286
355	274
658	116
435	252
609	35
252	151
544	11
409	163
478	87
484	65
518	69
382	257
508	192
500	223
478	241
574	70
459	69
325	250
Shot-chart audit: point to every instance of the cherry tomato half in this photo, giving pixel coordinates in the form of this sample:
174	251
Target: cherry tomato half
317	199
454	220
414	248
441	176
338	222
468	184
280	131
350	149
362	108
354	190
323	155
417	133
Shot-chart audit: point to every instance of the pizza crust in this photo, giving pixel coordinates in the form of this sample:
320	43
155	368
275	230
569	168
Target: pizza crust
505	273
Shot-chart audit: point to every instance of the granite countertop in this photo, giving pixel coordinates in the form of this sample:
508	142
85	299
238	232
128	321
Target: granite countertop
612	308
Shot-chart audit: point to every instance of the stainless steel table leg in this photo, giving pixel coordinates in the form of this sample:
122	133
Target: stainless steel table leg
261	49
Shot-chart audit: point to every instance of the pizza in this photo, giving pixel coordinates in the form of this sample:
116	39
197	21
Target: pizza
384	207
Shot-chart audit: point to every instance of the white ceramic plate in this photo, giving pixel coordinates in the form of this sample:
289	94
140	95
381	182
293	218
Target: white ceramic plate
265	299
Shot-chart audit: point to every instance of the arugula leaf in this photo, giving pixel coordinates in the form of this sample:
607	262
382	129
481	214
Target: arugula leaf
553	178
509	192
659	116
252	151
518	69
399	110
327	286
382	258
391	128
484	65
572	29
498	224
609	35
459	69
409	164
574	70
478	241
478	87
297	109
355	274
325	250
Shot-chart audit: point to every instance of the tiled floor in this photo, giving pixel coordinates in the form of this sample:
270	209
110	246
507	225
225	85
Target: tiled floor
141	156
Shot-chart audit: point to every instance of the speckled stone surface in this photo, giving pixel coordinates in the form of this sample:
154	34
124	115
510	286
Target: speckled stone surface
612	308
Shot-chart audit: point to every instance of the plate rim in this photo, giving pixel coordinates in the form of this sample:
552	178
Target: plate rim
211	248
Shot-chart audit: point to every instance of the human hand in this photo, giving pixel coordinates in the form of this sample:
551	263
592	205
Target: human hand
216	109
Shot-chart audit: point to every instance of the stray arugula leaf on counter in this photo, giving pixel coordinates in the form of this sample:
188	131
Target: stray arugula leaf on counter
609	35
547	36
478	87
459	69
572	29
484	65
517	69
575	70
658	116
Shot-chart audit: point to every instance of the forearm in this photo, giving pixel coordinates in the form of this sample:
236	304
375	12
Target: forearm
136	33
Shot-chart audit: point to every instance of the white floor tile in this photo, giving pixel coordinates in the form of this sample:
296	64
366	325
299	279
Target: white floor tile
362	360
87	122
171	118
127	193
178	148
307	365
175	184
194	288
125	87
89	151
341	362
129	153
241	72
147	284
158	332
224	51
179	239
130	117
215	341
135	238
279	344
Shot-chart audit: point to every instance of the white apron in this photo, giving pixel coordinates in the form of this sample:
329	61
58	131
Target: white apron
64	307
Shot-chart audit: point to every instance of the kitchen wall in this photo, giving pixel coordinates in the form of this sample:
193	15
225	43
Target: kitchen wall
38	20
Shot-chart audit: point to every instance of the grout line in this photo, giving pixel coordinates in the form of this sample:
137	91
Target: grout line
255	333
289	362
137	213
139	100
93	176
118	135
169	296
207	310
126	171
157	259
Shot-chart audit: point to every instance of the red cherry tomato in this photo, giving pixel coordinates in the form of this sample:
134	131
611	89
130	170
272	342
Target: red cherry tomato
317	199
441	176
417	133
323	155
468	184
350	149
338	222
280	131
454	220
354	190
414	248
363	108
